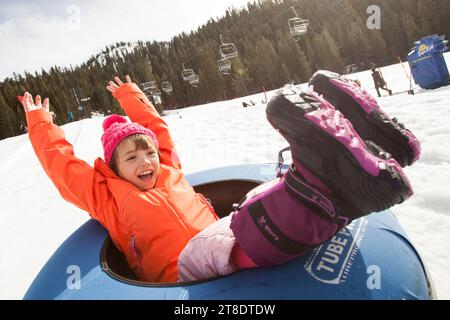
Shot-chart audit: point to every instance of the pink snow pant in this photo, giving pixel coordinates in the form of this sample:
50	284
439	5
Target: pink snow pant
213	252
207	255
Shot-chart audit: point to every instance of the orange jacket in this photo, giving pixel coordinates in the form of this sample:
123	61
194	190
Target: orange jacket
151	228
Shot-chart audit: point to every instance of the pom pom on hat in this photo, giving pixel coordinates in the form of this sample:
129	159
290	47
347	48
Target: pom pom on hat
115	118
116	128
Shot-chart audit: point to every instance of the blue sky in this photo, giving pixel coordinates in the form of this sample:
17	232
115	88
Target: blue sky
42	33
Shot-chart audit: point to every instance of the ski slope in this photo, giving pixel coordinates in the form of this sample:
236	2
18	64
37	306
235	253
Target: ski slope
35	220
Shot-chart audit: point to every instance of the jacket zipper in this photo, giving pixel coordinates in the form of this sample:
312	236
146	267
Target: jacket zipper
136	254
208	203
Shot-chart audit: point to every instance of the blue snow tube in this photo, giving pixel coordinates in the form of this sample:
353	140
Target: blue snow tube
370	259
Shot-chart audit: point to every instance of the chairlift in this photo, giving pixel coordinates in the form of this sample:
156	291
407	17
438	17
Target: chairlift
188	74
227	50
195	81
167	87
297	25
224	65
151	85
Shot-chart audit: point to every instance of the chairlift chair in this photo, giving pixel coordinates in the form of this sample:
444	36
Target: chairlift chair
224	65
188	74
167	87
227	50
195	81
151	85
298	26
145	86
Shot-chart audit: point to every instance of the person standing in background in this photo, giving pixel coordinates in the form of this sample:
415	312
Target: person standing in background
379	81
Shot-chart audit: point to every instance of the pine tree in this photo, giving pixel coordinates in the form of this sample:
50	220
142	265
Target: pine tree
327	53
294	58
7	121
410	27
240	78
212	80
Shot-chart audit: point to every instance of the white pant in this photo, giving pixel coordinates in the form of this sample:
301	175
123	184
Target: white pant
207	255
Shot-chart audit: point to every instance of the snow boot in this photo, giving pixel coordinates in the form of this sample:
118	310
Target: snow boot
359	174
280	220
367	118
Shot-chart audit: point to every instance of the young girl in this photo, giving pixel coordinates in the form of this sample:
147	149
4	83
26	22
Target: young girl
137	192
166	230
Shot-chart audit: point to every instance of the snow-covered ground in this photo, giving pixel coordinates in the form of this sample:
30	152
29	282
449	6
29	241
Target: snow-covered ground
35	220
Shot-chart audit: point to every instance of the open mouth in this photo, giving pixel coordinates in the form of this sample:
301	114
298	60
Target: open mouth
145	176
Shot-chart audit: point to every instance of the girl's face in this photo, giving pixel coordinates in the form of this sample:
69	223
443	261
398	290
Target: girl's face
140	167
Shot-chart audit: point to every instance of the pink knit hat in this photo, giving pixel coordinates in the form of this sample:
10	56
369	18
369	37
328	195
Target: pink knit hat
115	129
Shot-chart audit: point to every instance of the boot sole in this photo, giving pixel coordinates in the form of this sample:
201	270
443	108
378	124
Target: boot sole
325	143
367	118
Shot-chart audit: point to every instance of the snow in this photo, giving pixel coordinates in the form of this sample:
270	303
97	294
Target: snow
117	53
35	220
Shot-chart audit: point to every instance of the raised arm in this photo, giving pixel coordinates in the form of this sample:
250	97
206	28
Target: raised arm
141	110
76	180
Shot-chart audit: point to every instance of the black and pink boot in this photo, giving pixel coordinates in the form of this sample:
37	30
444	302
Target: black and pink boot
359	177
367	118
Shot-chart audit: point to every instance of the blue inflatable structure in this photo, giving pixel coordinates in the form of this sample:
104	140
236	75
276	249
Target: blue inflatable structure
427	62
372	258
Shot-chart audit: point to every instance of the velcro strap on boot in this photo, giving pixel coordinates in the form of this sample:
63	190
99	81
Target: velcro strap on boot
298	187
273	234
